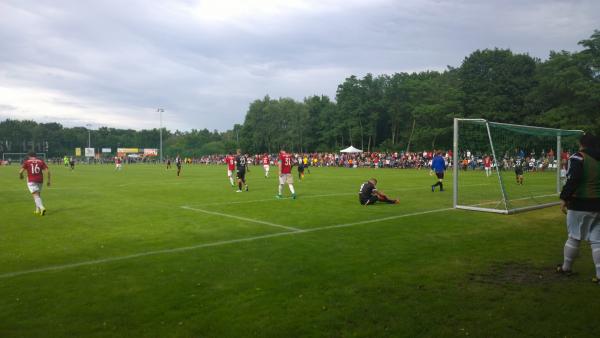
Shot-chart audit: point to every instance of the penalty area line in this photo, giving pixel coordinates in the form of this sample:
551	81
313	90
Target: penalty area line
240	218
208	245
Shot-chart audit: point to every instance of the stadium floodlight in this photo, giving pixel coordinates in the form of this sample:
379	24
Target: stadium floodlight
160	111
538	150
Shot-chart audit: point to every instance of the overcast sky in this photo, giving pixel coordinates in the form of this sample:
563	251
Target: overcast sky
113	63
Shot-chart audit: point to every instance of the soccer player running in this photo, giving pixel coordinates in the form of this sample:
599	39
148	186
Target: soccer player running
266	165
242	166
368	194
178	164
301	166
438	165
118	163
285	173
35	180
519	170
580	201
230	161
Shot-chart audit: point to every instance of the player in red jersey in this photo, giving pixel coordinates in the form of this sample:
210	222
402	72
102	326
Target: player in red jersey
266	165
285	173
118	163
230	161
35	180
487	164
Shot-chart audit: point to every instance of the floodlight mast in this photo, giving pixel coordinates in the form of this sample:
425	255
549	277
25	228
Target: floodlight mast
160	111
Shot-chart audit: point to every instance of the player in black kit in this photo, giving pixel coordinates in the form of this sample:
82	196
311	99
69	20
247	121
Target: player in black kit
368	194
241	163
519	171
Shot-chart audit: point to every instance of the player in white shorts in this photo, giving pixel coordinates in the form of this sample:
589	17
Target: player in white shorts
35	180
230	162
266	165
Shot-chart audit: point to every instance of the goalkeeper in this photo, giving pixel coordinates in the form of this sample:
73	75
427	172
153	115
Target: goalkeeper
438	165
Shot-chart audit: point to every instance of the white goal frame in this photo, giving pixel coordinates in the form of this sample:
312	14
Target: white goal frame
506	210
22	155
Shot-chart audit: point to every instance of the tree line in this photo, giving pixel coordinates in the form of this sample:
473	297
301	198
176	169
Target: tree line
385	112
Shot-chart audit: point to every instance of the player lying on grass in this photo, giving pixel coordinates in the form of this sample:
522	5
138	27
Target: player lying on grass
580	200
368	194
35	179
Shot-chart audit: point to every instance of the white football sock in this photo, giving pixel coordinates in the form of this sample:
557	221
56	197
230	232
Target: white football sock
291	188
280	189
596	257
38	202
231	180
570	253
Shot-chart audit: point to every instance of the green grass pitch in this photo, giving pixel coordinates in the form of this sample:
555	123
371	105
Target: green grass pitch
143	253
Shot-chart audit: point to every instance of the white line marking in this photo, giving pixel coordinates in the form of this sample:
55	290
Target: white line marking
424	188
241	218
206	245
516	199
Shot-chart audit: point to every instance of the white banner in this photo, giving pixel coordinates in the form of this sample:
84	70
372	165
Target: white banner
106	150
89	152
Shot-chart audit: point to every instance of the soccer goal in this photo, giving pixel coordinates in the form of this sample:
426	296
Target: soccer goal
509	149
19	157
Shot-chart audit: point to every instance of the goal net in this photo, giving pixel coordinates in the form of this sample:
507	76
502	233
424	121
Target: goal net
537	153
19	157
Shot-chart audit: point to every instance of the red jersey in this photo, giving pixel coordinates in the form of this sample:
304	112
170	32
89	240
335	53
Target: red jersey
265	160
230	162
487	162
286	163
118	160
34	169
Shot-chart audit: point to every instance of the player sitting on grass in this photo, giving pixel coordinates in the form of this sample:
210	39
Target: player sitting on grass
35	180
368	194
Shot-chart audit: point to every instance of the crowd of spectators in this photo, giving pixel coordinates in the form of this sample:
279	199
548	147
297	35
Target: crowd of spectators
404	159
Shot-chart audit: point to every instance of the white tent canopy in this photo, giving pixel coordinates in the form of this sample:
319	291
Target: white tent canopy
351	149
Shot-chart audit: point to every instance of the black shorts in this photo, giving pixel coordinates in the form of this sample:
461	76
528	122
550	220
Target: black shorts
440	175
519	172
371	200
241	174
300	169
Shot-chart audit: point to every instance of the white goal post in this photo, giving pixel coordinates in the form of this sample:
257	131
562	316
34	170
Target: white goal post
20	156
536	149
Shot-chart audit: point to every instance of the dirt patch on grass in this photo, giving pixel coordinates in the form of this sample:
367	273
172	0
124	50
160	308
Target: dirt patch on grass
504	273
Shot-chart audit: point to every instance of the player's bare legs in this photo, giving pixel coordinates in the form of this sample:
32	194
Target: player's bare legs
39	205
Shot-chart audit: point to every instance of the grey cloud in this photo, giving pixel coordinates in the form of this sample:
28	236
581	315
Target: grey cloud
134	56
